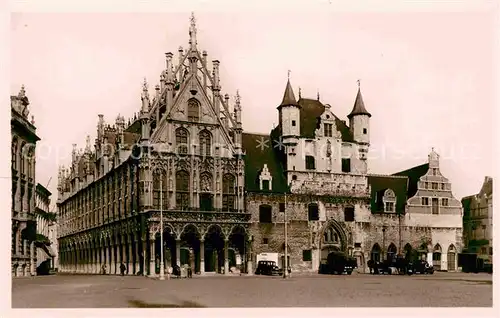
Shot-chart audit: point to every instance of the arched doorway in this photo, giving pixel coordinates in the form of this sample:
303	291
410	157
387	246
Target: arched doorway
189	252
408	251
452	258
237	248
169	257
214	249
375	253
436	257
391	252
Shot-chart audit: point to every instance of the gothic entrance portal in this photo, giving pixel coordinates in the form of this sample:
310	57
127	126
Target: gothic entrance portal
214	249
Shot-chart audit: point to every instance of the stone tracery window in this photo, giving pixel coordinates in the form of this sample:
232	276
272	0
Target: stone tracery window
205	143
228	192
193	110
182	190
181	140
330	236
389	201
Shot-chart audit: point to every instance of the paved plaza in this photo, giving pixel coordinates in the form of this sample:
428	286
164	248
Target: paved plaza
358	290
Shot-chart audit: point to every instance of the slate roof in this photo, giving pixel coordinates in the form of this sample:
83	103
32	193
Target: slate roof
359	106
413	175
310	112
288	97
380	183
259	151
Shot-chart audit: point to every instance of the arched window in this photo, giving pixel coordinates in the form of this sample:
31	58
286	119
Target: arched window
375	254
182	190
181	140
389	201
265	214
193	110
156	190
452	258
205	143
14	153
330	236
391	251
313	212
228	192
436	257
22	157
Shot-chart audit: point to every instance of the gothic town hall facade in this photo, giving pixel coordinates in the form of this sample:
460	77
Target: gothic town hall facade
222	193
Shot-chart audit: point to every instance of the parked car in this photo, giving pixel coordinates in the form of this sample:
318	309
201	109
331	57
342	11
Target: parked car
267	268
339	263
422	267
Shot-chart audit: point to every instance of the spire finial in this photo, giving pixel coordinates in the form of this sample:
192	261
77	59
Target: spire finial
22	92
192	31
145	85
289	74
359	83
238	98
318	94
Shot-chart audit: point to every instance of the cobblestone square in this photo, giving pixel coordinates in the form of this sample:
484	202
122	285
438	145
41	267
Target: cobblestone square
358	290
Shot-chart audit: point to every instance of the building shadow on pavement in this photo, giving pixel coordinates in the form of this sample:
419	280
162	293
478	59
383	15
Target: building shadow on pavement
184	304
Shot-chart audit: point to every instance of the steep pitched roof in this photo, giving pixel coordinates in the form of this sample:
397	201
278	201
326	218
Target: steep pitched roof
310	112
359	106
259	151
413	175
380	183
289	96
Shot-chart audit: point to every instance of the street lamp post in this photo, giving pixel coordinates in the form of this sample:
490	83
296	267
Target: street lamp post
285	270
162	270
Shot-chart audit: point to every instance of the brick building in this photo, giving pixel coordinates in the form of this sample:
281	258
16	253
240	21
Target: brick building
46	251
478	221
221	191
24	139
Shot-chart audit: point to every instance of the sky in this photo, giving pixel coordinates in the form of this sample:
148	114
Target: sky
426	77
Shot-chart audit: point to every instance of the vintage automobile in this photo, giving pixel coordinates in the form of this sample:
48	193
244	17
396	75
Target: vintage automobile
267	268
339	263
422	267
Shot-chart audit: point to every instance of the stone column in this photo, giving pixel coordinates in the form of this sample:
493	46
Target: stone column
202	257
249	258
137	265
118	257
130	267
178	252
152	257
124	254
112	267
226	257
106	257
77	260
95	251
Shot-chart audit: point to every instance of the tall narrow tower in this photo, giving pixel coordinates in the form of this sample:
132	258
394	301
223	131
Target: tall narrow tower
359	125
289	116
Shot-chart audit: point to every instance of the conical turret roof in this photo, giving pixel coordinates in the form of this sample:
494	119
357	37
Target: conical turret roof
289	96
359	106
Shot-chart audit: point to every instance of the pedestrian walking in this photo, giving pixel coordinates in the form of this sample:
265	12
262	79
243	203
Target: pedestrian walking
122	269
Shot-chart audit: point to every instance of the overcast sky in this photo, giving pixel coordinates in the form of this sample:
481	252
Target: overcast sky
426	78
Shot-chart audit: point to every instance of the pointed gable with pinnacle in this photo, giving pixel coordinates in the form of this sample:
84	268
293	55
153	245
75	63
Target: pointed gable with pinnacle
359	107
289	97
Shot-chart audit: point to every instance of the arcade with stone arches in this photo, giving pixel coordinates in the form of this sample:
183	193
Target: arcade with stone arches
212	248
